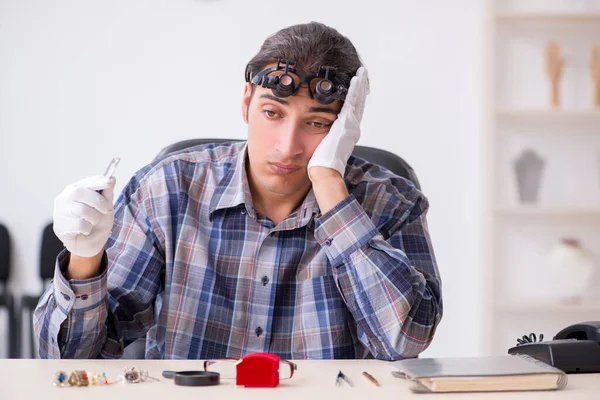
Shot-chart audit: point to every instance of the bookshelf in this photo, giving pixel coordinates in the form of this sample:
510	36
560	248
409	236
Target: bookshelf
518	236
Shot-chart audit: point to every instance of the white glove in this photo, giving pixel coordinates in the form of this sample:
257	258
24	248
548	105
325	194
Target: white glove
83	218
335	149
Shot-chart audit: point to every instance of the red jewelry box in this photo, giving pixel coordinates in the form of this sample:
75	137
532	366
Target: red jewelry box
258	370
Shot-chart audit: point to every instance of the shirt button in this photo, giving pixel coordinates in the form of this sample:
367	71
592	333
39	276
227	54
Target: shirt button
66	296
243	211
265	280
84	297
328	242
259	331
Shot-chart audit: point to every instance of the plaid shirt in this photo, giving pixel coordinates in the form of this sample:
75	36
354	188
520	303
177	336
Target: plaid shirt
193	267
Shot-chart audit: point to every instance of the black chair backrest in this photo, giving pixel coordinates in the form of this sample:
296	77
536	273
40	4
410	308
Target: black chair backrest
376	156
4	254
51	247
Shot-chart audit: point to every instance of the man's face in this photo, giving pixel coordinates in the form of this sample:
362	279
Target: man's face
283	134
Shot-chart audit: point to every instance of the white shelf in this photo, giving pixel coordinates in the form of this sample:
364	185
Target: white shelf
586	306
548	17
550	211
510	123
550	115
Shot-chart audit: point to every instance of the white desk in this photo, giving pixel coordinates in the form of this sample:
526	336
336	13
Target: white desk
32	379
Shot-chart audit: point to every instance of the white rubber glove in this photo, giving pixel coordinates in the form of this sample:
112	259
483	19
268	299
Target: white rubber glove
335	149
83	218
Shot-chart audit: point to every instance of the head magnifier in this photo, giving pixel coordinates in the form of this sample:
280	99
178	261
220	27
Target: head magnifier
324	89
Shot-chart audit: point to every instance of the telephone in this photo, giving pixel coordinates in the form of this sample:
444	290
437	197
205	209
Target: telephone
575	349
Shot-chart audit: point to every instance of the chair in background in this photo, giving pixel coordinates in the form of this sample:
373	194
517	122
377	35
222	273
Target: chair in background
376	156
7	300
50	248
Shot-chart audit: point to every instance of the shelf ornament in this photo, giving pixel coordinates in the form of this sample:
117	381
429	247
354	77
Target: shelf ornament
554	68
595	69
572	268
528	169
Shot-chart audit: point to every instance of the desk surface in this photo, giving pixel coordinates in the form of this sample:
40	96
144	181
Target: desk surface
32	379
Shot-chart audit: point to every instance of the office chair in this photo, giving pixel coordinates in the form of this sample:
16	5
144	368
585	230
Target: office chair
7	300
376	156
50	248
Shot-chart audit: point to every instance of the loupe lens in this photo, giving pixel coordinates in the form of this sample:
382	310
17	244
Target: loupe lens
323	90
325	87
285	86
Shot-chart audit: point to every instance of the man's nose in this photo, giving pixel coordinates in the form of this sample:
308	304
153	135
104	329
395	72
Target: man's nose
289	143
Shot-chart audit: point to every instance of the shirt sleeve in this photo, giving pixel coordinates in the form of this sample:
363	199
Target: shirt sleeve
97	317
386	271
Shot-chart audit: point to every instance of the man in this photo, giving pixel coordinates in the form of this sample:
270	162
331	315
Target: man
284	243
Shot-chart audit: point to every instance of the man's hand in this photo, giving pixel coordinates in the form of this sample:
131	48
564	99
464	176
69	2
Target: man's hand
83	216
329	188
335	149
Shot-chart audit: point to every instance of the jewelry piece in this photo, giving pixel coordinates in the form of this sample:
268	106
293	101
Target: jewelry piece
134	375
100	379
60	379
79	378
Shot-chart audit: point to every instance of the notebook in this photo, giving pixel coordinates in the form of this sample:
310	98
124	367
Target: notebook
480	374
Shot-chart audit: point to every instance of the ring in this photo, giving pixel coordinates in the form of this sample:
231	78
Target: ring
60	379
134	375
79	378
99	379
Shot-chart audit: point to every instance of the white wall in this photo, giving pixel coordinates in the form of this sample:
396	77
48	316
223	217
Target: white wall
83	81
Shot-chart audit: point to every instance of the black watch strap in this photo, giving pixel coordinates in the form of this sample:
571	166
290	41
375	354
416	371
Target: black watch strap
193	378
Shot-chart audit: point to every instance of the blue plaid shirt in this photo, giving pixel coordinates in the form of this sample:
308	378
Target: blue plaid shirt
195	269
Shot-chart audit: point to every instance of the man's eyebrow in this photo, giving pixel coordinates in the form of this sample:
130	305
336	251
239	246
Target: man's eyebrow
323	110
274	98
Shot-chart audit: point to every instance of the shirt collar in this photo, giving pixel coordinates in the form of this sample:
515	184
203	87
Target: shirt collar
306	212
234	189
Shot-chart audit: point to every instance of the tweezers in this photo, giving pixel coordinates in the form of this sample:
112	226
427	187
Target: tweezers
341	375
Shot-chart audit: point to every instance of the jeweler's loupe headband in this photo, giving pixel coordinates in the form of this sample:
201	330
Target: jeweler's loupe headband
321	86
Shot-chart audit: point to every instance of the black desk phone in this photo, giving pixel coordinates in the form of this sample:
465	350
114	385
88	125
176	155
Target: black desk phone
575	349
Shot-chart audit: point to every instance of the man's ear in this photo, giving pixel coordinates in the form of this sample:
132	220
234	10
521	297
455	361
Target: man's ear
246	101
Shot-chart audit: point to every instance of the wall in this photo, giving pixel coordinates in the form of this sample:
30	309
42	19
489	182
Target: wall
83	81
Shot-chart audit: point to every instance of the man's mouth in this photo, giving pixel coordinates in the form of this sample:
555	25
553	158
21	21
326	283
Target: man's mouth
283	168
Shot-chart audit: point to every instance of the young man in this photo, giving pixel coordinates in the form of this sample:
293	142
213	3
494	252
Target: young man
284	243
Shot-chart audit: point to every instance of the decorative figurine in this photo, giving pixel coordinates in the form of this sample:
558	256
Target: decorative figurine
554	67
571	268
528	168
595	69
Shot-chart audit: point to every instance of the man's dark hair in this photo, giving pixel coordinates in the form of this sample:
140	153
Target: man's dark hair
310	45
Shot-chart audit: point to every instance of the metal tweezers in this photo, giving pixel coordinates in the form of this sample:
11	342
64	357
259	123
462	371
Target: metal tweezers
341	375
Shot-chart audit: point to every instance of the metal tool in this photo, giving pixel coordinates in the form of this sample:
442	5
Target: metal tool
343	376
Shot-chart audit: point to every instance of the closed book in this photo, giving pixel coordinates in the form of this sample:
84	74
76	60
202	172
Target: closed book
480	374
